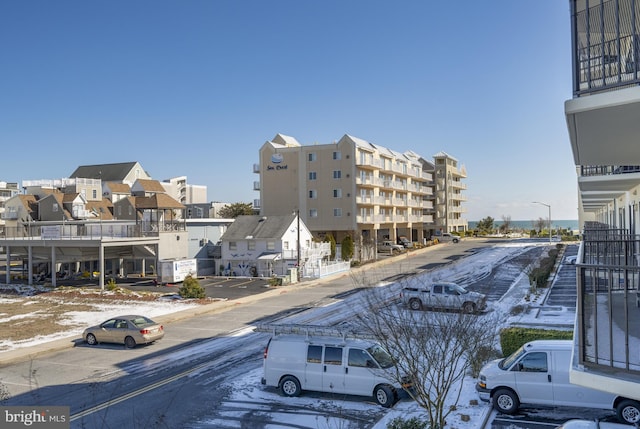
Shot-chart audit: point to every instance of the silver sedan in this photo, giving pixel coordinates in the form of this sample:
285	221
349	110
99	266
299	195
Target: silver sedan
128	330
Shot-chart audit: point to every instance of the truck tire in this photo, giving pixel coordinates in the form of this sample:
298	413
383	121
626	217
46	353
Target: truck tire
290	386
415	304
505	401
469	307
384	395
628	411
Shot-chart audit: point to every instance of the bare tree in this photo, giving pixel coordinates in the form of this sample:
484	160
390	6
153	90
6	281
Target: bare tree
506	224
436	348
540	224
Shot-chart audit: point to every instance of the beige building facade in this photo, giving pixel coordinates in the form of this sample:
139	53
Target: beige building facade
449	193
349	187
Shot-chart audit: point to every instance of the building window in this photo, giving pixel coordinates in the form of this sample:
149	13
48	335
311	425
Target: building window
313	212
337	212
313	194
251	245
337	193
285	245
337	174
312	175
54	208
337	155
312	157
233	245
271	245
95	194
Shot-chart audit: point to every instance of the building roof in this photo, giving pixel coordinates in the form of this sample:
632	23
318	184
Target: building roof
102	209
443	154
118	188
157	201
285	140
258	227
150	185
106	172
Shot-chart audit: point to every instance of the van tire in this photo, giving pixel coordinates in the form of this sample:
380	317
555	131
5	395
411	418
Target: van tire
415	304
384	395
505	401
290	386
628	411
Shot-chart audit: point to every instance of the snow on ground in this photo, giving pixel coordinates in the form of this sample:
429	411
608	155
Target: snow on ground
249	389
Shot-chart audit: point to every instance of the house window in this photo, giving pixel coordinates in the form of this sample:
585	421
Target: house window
313	212
130	210
119	210
337	174
54	208
271	245
337	212
285	245
337	155
313	194
251	245
312	175
312	157
233	245
95	194
337	193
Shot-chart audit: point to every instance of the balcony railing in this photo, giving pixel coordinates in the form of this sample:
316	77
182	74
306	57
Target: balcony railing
608	280
606	170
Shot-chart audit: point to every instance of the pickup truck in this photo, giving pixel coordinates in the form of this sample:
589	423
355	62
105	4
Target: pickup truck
444	296
390	247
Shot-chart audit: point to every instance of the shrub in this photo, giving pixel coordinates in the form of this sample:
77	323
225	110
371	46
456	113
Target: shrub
111	284
483	355
512	338
191	289
412	423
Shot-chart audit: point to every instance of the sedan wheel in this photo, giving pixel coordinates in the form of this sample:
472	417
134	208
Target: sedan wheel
130	342
91	340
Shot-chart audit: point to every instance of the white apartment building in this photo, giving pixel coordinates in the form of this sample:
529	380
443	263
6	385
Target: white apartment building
449	196
7	190
185	193
349	187
602	120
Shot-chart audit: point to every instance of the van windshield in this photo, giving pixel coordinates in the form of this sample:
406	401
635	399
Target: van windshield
507	362
381	356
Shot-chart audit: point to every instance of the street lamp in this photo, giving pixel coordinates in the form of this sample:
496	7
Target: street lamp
549	207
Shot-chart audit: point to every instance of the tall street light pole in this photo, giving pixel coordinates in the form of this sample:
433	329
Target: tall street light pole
549	207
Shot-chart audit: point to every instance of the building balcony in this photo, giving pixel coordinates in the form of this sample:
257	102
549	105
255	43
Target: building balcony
608	313
599	185
12	215
368	162
256	186
256	168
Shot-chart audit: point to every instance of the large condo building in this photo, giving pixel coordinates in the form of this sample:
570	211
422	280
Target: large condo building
602	119
355	187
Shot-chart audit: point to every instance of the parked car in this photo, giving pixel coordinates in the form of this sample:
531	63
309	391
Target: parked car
571	260
389	246
443	295
128	330
447	237
405	242
538	374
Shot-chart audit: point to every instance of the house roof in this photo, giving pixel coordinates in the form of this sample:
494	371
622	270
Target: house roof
157	201
106	172
258	227
118	188
149	185
102	209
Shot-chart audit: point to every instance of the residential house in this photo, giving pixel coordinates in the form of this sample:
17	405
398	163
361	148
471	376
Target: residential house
265	246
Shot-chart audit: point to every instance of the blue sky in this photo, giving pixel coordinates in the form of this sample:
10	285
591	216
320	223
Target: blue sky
196	87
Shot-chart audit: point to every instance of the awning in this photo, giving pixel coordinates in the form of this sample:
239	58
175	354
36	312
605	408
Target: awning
269	257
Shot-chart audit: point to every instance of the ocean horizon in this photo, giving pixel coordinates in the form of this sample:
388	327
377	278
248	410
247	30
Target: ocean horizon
571	224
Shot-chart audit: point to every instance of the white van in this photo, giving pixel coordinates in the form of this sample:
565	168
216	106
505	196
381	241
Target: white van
293	363
538	374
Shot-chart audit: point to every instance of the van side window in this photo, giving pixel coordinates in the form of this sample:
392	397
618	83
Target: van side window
314	354
333	355
533	362
359	357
